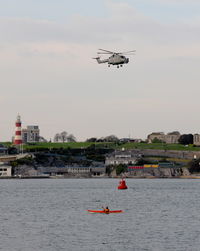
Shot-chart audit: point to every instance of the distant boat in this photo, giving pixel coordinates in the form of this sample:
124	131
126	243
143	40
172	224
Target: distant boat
122	184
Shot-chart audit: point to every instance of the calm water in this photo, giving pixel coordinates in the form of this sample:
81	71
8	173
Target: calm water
51	215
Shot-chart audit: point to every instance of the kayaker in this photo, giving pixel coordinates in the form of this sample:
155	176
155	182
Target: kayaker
106	210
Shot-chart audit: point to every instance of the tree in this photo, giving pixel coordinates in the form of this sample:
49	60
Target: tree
12	150
91	140
143	161
194	166
111	138
156	140
186	139
121	168
100	140
63	136
56	137
71	138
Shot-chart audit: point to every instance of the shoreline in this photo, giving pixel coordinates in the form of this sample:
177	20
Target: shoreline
117	177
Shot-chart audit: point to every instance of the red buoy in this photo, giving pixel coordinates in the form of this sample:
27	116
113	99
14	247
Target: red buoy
122	184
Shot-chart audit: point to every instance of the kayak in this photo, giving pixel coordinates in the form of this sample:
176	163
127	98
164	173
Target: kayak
103	212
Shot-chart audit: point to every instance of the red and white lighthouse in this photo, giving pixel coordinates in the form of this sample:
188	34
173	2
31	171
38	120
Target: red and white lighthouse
18	131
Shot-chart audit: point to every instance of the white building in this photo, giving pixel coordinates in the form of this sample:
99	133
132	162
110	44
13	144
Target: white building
5	170
169	138
30	134
196	139
156	135
172	137
121	157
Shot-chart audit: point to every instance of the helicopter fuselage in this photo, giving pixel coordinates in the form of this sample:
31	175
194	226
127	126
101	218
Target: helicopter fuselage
118	60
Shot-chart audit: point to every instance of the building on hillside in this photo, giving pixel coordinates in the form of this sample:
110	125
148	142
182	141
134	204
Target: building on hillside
156	135
31	134
152	166
138	140
5	170
172	137
169	138
126	140
196	139
3	150
122	157
98	170
67	170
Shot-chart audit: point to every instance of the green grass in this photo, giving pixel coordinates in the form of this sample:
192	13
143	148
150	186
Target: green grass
68	145
126	146
57	145
6	143
159	146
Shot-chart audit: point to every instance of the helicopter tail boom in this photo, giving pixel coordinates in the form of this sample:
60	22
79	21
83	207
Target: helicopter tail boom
101	61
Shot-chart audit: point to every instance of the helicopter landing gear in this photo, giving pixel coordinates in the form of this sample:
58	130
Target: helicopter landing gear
121	65
109	65
118	66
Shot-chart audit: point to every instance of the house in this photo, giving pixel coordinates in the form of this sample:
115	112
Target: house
5	170
121	157
3	149
98	170
156	135
79	170
196	139
172	137
126	140
169	138
31	134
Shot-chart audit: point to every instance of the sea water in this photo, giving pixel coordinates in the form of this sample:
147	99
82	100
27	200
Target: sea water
51	214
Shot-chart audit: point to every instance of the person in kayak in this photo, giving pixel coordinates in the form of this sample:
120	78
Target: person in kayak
106	210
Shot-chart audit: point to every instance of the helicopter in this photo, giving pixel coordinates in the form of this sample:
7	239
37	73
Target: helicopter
116	58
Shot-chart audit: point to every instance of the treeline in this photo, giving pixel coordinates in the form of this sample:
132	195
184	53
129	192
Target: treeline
110	138
64	137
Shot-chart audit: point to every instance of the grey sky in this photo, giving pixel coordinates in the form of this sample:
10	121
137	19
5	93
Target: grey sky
49	77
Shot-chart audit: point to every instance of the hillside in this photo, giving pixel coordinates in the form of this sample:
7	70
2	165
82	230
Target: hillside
111	145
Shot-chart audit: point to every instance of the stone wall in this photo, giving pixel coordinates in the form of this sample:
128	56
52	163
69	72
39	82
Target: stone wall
159	173
169	153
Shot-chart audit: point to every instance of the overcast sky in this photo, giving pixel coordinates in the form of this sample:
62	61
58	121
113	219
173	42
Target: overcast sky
48	76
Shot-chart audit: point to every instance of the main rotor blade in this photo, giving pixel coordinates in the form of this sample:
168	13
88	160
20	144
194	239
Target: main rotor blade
127	52
104	53
107	51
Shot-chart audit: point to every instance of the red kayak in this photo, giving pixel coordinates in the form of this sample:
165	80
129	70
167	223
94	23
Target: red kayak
103	212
